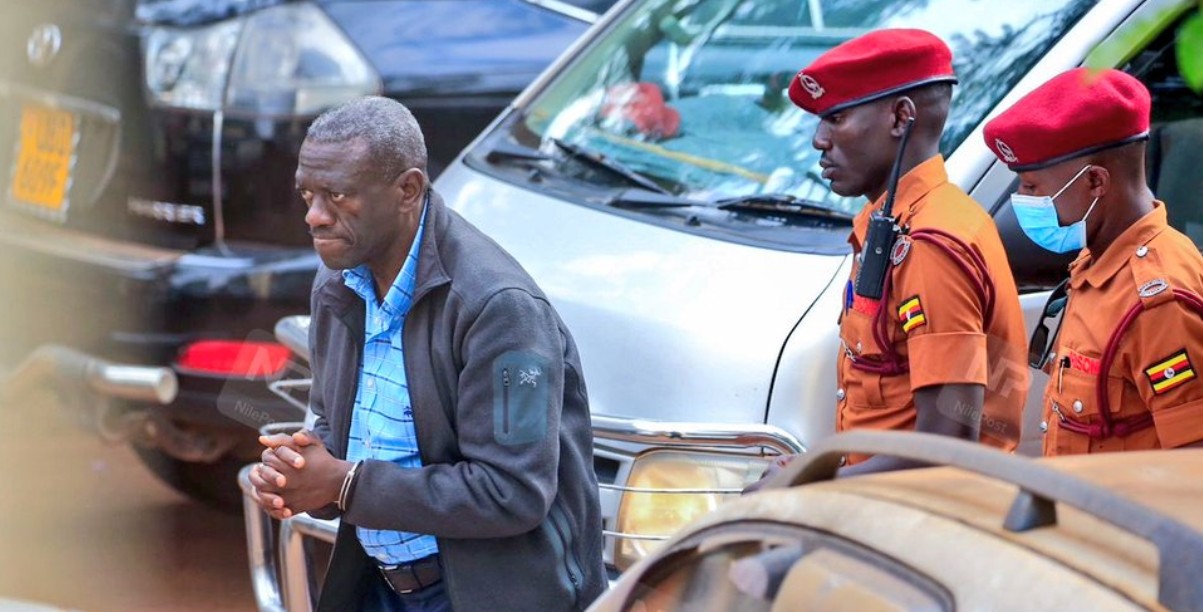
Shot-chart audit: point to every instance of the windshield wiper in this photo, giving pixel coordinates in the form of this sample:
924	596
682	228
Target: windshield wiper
601	161
779	202
506	150
764	203
509	150
642	198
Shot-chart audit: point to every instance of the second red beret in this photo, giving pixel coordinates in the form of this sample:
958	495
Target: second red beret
1076	113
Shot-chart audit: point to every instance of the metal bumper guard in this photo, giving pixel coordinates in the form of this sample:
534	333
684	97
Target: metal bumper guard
284	581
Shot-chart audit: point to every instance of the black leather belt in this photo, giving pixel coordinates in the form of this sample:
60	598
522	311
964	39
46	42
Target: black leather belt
414	576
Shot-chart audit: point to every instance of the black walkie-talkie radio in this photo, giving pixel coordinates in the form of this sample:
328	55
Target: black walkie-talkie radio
883	232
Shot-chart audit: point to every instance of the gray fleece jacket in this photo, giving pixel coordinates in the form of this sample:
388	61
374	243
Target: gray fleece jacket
507	484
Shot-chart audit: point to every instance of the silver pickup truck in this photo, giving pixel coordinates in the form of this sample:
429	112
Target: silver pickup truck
708	335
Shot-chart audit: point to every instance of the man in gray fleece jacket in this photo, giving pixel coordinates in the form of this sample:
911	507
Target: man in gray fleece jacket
453	388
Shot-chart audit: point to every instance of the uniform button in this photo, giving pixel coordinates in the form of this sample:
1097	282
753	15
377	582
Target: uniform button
859	347
1052	357
1077	405
840	394
1043	426
1142	250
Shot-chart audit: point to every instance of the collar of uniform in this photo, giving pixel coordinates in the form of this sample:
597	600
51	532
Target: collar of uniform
913	185
1084	270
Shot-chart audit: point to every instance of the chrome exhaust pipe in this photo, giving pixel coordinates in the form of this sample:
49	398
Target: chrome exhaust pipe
144	383
52	364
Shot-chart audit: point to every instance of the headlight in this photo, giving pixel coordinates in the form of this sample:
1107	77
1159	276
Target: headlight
188	68
668	489
294	61
287	60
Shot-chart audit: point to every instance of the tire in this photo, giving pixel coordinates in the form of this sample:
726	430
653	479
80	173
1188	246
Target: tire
213	484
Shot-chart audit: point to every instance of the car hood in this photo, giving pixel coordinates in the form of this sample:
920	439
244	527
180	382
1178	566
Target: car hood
669	325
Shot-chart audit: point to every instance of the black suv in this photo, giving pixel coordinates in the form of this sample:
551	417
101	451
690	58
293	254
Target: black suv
147	151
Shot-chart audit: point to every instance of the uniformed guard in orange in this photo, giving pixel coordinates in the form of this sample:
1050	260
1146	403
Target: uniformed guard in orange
1124	363
931	330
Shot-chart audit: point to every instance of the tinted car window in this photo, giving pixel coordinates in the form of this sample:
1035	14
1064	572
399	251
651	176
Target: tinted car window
1175	135
1175	138
692	93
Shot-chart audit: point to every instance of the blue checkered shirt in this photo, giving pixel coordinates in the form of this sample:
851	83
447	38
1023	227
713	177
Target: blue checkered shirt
382	423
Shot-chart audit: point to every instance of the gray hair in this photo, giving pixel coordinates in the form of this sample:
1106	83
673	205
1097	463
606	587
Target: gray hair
394	139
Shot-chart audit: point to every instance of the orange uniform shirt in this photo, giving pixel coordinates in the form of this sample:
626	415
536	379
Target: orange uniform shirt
1156	369
936	318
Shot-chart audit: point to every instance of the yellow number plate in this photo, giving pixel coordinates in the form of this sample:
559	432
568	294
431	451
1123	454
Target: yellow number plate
42	173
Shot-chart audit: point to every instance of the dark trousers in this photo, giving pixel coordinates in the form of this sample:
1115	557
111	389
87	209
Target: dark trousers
383	598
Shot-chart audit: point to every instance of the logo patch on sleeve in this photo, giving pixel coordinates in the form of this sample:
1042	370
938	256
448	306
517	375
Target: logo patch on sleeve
910	314
1171	372
521	397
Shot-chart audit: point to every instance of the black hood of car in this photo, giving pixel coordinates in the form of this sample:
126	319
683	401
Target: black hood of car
436	48
196	12
455	47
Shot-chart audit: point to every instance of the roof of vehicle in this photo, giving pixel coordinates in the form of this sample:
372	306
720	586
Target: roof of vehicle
933	516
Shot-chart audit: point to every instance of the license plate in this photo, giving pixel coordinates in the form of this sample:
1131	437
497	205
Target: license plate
45	157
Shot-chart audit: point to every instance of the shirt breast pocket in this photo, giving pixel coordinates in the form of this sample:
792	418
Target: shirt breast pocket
868	389
1073	398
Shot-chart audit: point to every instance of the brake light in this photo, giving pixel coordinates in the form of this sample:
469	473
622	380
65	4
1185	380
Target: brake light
233	358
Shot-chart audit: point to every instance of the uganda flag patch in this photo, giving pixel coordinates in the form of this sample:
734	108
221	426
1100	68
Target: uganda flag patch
910	314
1170	373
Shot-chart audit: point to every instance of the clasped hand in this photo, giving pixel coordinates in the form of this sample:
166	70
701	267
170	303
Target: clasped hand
296	474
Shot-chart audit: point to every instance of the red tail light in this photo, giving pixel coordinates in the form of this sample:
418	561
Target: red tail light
232	358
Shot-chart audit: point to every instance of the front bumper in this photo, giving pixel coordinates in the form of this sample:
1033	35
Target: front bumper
281	574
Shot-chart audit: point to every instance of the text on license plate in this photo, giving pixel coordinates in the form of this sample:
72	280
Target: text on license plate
46	154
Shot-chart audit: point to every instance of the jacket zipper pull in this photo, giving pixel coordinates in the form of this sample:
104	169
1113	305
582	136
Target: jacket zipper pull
505	400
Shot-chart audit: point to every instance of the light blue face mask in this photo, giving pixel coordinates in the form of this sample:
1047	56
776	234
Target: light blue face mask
1037	216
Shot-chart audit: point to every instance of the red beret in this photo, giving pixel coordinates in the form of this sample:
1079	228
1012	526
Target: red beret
643	106
878	64
1077	113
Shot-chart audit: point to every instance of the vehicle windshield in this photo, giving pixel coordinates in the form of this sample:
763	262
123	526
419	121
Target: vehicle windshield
692	93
